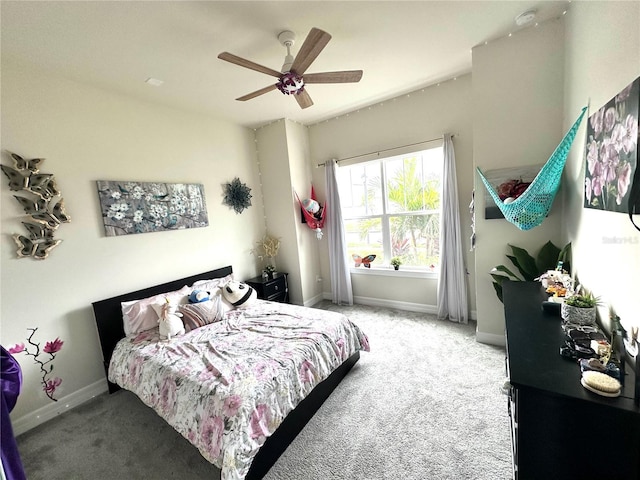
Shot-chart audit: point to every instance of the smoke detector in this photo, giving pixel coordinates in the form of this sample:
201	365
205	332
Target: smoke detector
525	18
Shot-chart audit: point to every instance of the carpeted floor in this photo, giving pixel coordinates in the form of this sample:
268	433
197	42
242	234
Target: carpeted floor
423	404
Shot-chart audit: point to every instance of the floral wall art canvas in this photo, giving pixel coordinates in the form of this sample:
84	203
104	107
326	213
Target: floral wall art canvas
612	151
141	207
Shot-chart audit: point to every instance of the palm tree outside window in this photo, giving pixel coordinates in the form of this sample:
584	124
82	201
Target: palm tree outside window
391	208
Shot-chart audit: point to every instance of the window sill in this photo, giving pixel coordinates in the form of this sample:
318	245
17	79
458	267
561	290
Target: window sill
390	272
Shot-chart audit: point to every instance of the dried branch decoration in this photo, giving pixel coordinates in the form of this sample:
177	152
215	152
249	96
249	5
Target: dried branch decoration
269	245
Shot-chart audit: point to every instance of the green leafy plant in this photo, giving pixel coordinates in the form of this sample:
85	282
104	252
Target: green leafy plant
586	300
529	267
396	262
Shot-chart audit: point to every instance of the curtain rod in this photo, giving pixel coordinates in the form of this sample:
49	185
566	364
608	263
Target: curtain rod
378	152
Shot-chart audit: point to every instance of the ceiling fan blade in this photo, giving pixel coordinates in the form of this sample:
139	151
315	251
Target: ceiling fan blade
303	99
347	76
257	93
311	48
230	57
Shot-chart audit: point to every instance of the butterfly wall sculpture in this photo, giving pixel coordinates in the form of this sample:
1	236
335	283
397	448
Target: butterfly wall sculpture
41	184
41	211
45	210
365	262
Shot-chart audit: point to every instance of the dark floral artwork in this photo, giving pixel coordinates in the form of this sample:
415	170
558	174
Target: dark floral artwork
237	195
140	207
612	151
49	385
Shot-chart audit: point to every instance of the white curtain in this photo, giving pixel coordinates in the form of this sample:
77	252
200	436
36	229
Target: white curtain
452	284
341	292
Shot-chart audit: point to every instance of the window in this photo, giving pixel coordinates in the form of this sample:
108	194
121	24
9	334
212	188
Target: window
391	208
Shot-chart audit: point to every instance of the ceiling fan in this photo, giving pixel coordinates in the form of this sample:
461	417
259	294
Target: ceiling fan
292	78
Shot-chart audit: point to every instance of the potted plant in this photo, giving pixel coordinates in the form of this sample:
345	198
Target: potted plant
529	267
396	262
579	309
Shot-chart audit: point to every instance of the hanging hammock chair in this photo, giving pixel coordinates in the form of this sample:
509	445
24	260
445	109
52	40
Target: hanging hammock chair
531	208
314	219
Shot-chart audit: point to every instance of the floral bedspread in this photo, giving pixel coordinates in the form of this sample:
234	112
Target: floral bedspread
227	386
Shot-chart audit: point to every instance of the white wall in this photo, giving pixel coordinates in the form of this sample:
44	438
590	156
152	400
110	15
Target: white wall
87	134
273	157
517	121
603	56
283	152
308	244
419	116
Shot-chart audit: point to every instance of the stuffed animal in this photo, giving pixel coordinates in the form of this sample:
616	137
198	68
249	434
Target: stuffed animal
239	294
170	322
198	296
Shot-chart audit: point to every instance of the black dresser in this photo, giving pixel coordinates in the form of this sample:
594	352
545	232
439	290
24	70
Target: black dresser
273	289
559	429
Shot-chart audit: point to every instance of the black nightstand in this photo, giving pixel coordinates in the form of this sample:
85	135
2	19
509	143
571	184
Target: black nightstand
273	289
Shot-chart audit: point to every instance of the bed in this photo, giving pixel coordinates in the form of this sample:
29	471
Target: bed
236	406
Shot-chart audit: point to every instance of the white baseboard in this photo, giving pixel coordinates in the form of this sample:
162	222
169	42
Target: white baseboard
380	302
490	338
408	306
318	298
53	409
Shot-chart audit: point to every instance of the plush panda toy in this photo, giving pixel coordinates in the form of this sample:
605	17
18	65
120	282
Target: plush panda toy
239	294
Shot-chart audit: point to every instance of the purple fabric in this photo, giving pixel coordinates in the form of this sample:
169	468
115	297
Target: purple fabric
10	381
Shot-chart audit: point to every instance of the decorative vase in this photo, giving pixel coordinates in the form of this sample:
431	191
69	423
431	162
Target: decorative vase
577	315
396	267
268	274
270	269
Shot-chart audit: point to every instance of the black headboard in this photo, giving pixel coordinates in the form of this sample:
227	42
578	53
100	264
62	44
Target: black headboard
108	313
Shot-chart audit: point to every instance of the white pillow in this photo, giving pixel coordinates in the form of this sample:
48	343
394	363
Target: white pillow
226	307
143	314
211	285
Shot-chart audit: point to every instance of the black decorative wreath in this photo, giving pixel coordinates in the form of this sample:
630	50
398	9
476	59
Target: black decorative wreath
237	195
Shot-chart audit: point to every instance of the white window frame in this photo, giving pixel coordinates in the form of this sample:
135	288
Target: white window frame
414	271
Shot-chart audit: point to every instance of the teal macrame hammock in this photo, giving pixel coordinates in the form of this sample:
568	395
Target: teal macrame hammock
531	208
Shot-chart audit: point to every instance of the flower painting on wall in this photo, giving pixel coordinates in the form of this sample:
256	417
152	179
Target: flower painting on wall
140	207
612	151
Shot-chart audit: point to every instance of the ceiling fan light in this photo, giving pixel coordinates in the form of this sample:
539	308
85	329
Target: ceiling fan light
290	83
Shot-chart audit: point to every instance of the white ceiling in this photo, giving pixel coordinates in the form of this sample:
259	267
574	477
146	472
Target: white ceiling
117	45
